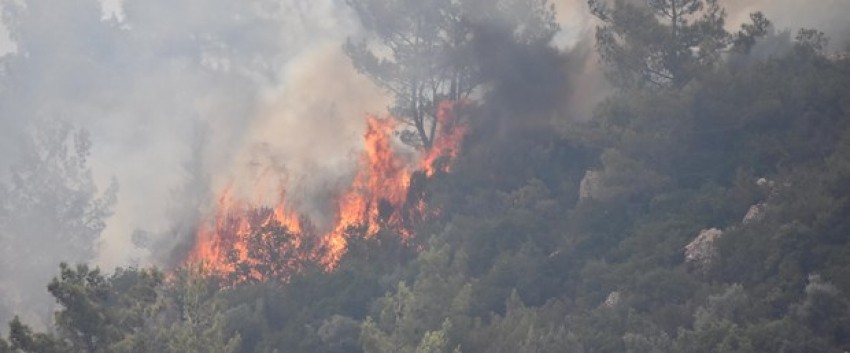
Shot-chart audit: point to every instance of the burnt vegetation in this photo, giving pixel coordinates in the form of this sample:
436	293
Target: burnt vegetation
705	207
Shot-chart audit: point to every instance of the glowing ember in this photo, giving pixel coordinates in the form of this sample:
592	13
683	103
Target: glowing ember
246	241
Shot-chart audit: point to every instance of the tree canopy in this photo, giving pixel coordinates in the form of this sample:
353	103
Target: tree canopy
666	43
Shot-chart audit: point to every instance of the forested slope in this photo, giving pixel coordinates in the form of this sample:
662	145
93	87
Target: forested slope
707	213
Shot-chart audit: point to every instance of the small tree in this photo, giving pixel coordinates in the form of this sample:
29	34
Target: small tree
98	313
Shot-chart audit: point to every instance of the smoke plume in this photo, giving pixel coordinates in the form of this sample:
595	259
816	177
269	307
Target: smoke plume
173	93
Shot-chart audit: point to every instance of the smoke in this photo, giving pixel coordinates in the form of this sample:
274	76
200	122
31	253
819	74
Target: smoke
309	131
175	93
587	85
577	24
828	16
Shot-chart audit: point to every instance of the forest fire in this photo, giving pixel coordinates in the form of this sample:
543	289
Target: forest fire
249	241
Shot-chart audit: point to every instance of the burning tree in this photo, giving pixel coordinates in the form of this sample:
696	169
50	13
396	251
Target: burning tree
422	51
269	250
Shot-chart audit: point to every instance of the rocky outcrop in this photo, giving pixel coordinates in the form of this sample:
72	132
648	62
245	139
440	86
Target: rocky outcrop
702	251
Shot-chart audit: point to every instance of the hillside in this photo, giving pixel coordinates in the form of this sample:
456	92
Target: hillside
707	211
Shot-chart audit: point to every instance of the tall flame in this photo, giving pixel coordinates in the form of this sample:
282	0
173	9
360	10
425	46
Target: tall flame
382	180
376	199
447	142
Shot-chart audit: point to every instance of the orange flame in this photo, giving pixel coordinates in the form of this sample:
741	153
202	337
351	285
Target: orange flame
448	139
377	193
223	243
376	199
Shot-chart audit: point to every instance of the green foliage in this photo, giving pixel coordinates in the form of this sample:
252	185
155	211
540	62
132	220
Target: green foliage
427	316
825	311
129	311
200	323
23	339
525	329
667	43
98	313
340	334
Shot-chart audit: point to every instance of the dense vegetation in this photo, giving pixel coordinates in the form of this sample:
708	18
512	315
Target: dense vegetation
710	214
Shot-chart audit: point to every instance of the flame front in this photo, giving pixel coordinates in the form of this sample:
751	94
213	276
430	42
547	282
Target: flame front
447	142
222	243
377	198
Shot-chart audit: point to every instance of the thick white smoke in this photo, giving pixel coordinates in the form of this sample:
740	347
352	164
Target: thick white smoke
145	76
